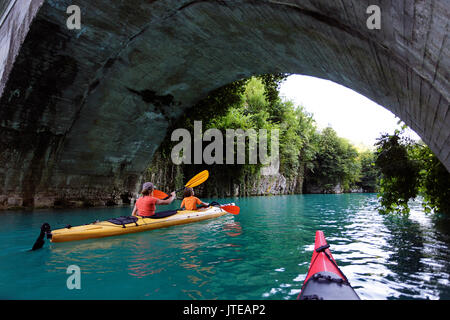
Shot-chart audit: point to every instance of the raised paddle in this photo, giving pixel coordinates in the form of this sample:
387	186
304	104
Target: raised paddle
228	208
195	181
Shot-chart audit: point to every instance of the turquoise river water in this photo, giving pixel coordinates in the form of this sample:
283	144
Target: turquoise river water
262	253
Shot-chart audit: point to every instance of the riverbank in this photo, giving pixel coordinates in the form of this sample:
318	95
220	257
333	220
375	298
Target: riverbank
119	203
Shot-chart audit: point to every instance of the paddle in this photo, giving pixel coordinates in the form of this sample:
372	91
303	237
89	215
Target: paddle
231	209
228	208
195	181
159	194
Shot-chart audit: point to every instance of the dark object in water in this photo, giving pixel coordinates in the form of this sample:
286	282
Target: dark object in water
40	241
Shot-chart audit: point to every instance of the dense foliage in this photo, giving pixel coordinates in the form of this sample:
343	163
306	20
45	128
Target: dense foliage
399	181
370	174
410	169
335	163
321	158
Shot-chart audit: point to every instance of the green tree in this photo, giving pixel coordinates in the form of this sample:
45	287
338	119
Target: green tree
399	182
370	174
335	163
410	169
434	179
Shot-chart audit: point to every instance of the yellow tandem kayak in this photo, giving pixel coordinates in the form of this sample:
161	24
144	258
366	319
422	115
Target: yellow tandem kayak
107	228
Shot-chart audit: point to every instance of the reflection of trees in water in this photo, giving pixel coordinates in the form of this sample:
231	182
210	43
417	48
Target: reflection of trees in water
421	258
442	225
442	239
407	244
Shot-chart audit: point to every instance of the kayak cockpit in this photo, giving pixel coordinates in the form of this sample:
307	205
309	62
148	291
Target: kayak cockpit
327	286
325	280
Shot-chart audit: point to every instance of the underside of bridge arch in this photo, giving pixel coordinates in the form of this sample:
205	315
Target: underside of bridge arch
82	111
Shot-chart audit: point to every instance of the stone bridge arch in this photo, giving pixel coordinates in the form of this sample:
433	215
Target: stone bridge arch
82	111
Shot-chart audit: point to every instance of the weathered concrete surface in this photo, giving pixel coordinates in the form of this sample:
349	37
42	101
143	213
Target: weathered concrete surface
15	19
83	110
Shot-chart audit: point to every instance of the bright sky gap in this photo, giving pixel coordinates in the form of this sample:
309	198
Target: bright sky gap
350	114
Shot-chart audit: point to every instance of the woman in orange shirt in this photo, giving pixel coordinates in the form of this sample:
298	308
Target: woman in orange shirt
190	202
146	205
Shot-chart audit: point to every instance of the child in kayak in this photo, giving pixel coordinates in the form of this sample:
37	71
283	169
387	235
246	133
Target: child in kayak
146	205
190	202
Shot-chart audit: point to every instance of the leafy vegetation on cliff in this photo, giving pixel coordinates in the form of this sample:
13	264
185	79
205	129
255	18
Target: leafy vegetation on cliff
335	163
410	169
309	158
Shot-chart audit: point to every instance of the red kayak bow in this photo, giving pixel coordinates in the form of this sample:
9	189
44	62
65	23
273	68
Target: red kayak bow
324	280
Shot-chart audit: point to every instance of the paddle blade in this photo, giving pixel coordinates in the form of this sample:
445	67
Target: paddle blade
159	194
198	179
231	209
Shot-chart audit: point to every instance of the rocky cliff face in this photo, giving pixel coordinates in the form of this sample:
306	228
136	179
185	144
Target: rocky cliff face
276	184
83	111
268	182
167	177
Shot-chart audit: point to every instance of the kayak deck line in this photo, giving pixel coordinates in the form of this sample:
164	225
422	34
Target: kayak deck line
140	219
324	279
144	224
